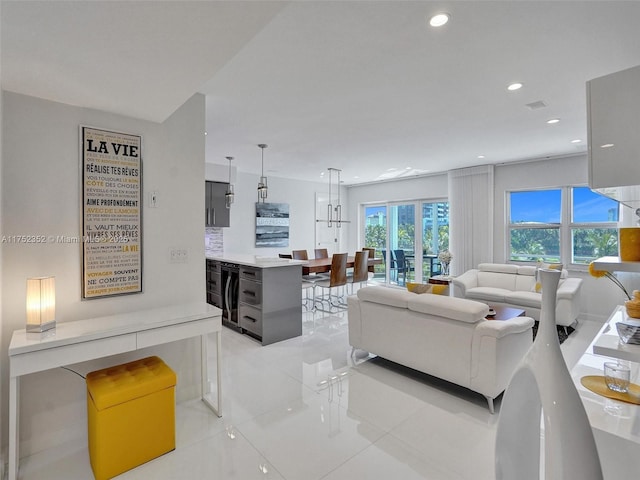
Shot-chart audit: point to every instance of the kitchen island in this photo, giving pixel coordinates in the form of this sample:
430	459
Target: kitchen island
259	296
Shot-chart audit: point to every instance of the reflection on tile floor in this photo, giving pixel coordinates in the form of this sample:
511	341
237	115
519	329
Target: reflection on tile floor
304	409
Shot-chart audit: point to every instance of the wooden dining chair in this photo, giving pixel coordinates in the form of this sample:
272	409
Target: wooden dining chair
337	279
360	269
300	255
321	253
372	254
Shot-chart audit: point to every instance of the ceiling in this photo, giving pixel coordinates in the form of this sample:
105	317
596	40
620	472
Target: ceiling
367	87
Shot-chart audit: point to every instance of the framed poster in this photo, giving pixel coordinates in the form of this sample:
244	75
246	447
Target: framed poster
272	224
111	213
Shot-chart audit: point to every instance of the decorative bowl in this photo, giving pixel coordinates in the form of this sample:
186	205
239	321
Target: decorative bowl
629	331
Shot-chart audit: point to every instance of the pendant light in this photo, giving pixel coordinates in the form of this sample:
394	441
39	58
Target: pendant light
334	211
229	195
262	184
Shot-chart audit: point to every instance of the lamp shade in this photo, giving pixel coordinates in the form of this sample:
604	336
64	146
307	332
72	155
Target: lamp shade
41	304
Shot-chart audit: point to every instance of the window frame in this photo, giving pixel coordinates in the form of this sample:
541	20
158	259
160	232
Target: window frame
584	225
537	226
565	227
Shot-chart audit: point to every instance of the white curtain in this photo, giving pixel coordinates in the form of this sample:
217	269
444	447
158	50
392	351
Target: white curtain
470	217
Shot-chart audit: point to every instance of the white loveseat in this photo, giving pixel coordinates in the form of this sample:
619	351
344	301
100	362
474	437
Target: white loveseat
513	286
442	336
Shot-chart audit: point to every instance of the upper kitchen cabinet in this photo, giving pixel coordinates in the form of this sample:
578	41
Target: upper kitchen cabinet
216	212
613	104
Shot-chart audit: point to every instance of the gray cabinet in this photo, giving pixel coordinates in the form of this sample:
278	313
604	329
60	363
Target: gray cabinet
270	302
214	283
216	212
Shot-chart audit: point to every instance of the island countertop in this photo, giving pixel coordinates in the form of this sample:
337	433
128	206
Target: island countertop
256	260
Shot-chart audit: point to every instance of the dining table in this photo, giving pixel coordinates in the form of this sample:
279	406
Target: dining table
322	265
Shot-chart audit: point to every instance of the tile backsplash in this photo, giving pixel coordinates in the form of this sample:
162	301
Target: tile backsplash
213	241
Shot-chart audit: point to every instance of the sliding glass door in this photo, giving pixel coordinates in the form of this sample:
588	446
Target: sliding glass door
375	235
435	236
409	253
402	242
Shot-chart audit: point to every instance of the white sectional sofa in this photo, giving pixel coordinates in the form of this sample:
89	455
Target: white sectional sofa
439	335
513	286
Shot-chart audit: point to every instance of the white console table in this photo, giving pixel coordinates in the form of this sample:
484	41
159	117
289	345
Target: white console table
615	424
608	342
84	340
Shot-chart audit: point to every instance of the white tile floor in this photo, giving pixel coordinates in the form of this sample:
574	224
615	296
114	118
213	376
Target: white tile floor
302	409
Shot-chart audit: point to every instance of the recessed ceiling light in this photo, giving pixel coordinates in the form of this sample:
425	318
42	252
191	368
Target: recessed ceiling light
514	86
407	168
577	140
439	19
356	176
205	133
606	145
392	169
481	156
553	120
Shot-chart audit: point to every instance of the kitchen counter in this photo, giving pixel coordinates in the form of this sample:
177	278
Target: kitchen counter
259	296
255	260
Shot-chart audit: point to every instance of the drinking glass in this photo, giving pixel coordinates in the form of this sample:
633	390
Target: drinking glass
617	376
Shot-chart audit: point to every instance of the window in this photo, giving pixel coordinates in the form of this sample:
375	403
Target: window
534	225
594	232
435	236
414	232
375	227
568	225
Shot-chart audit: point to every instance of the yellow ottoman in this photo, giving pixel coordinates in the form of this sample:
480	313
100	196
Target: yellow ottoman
131	415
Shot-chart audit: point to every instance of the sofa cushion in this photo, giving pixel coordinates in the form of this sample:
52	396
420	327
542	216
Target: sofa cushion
525	299
497	280
490	294
525	282
527	270
449	307
427	288
498	267
393	297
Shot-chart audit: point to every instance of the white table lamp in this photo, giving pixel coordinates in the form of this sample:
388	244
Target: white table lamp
41	304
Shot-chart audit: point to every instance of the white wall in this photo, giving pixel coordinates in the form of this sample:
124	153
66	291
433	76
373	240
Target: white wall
41	196
240	237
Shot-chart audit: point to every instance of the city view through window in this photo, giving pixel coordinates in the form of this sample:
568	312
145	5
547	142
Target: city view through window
395	225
